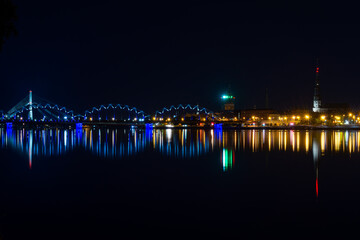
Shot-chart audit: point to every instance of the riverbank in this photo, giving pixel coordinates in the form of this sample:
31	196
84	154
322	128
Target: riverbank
149	126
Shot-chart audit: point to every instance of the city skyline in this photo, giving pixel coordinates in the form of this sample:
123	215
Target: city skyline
226	100
184	54
179	118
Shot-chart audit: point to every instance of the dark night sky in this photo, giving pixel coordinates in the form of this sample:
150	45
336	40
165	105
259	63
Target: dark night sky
152	55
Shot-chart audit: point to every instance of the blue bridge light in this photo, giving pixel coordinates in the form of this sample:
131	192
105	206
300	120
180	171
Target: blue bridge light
218	126
43	110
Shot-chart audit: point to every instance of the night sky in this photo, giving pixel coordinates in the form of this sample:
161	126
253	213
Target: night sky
151	55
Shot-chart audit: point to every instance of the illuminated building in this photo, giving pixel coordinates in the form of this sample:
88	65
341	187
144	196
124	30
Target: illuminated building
228	102
319	107
261	114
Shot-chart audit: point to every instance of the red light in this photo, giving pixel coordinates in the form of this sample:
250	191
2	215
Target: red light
317	69
317	188
233	158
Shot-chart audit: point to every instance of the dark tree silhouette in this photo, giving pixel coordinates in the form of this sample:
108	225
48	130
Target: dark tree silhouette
7	20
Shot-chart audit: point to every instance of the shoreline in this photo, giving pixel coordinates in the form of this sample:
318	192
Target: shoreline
84	125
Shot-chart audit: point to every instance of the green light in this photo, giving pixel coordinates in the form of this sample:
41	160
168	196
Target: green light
227	97
227	159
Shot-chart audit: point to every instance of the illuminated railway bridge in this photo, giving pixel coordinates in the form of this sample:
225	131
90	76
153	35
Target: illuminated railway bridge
34	109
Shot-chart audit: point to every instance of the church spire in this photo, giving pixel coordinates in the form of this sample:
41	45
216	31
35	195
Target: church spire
317	98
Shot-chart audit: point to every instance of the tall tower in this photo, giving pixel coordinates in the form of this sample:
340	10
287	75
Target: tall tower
228	101
317	98
30	106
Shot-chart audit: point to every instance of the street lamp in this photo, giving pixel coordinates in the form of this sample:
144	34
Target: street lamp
323	118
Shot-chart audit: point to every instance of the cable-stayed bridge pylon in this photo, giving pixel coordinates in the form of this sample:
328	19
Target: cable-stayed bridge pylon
34	108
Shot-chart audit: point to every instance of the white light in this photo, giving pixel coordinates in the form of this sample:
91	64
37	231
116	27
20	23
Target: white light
168	134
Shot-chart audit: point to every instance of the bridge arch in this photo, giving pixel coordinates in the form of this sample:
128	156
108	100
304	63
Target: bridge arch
183	113
114	112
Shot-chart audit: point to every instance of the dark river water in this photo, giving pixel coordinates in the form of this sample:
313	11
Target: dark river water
116	183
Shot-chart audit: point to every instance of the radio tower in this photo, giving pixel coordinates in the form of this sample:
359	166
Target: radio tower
317	98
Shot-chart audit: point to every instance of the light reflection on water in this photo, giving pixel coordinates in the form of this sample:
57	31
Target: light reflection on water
181	143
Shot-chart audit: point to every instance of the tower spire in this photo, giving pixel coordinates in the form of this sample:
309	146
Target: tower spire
317	98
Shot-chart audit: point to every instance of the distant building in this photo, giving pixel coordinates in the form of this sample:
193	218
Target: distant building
318	107
298	112
336	108
228	102
259	114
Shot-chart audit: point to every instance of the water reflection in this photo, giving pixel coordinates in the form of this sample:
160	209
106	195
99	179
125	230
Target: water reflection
181	143
227	159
